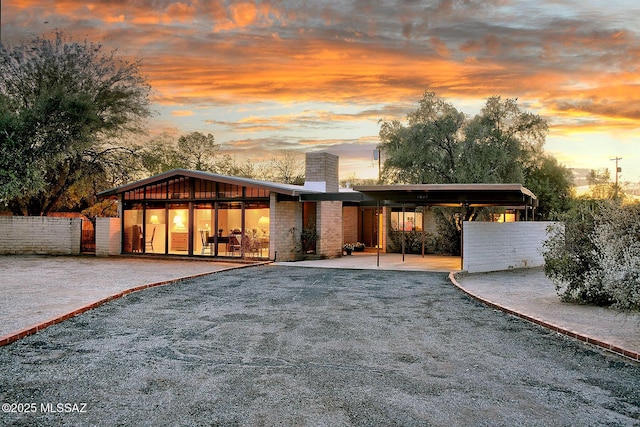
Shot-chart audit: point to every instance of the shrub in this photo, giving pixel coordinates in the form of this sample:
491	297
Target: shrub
594	256
617	268
412	242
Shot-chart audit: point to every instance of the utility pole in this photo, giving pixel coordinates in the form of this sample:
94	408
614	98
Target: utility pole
618	170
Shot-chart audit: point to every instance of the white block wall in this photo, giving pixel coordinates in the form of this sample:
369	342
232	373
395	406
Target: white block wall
495	246
108	236
40	235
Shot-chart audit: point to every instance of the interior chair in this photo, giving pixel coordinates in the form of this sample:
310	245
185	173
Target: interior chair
149	244
234	245
204	238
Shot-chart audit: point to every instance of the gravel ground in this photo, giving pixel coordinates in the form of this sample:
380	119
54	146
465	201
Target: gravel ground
275	345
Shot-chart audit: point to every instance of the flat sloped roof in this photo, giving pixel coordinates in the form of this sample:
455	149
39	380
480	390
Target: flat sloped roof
451	194
423	194
288	189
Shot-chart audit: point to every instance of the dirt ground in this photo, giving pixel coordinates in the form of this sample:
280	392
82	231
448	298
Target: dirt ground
276	345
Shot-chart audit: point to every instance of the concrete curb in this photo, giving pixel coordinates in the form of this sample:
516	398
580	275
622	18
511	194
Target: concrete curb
633	355
31	330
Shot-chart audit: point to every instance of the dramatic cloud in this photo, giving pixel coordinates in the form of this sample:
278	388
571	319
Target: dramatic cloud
274	74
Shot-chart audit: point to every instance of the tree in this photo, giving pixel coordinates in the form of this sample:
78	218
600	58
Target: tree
439	145
194	151
552	183
18	165
600	185
197	151
65	107
159	155
428	149
288	167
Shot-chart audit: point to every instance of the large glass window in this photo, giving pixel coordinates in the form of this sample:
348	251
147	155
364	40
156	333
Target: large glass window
179	229
230	228
203	242
155	229
256	219
186	216
133	239
409	220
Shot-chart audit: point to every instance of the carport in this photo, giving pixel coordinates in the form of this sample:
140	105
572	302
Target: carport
409	196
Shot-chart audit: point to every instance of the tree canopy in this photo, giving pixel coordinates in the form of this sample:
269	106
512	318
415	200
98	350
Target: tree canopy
502	144
439	144
64	108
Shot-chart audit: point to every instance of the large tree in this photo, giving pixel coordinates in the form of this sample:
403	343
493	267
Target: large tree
65	107
194	150
440	145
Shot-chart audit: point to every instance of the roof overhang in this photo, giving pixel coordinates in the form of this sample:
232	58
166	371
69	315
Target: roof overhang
342	196
476	195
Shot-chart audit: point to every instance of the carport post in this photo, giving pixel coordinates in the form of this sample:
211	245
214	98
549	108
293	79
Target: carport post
378	232
403	227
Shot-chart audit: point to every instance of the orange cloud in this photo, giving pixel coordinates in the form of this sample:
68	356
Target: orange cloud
182	113
578	68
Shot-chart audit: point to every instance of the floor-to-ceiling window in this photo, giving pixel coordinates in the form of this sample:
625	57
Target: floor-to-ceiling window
155	228
203	225
256	220
230	228
179	228
133	240
192	216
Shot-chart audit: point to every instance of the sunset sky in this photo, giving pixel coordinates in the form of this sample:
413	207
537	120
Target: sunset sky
311	74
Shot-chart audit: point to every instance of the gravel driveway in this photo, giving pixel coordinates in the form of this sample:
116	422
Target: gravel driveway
276	345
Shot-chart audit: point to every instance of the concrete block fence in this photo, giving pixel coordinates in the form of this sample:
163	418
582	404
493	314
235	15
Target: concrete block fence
40	235
495	246
108	236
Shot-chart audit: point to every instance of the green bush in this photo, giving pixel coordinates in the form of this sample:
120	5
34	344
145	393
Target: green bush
593	255
413	242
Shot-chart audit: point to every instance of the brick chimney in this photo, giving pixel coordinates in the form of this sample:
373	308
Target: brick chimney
321	172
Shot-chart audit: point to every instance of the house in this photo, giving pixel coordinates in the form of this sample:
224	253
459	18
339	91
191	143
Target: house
201	214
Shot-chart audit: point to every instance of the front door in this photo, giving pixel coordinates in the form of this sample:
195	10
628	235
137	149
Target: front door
370	227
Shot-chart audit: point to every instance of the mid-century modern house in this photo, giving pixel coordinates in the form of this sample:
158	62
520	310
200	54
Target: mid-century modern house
202	214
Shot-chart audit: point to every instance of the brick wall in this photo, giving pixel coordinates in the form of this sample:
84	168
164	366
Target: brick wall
329	227
40	235
284	217
108	236
494	246
350	224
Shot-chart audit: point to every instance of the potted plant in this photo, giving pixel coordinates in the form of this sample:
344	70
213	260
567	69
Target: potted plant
348	248
358	247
